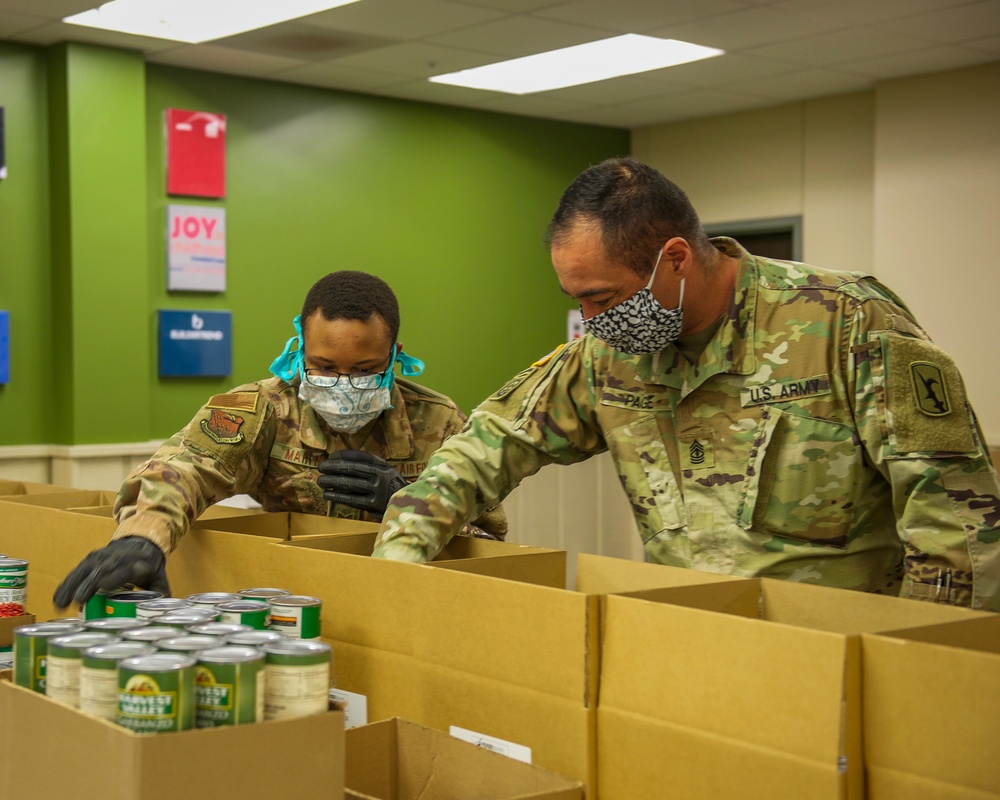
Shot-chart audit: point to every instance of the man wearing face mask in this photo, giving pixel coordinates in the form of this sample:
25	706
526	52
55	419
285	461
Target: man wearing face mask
766	418
334	432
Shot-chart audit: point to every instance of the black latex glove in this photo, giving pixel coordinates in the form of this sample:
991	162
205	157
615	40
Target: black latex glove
129	560
360	480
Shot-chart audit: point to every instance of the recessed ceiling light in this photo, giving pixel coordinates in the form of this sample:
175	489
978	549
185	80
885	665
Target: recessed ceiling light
582	63
196	21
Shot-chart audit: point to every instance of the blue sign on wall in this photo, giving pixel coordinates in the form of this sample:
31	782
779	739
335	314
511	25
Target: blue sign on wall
4	347
196	343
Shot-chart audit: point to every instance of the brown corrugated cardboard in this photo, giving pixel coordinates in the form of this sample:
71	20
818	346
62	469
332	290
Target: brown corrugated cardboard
399	760
604	575
8	487
53	750
537	565
932	711
285	525
7	625
70	498
747	689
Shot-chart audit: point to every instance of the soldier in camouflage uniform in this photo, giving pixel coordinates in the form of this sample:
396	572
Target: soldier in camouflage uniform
802	426
365	430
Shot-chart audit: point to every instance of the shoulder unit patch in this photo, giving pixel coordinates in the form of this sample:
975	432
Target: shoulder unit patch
222	427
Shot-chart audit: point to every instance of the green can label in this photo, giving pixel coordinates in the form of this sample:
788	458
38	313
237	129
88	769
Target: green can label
31	650
123	604
152	700
245	612
95	608
296	616
229	693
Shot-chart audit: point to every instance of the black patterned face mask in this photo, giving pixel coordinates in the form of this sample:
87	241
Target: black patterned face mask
639	324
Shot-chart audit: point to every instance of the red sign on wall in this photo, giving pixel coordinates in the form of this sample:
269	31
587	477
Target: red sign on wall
196	153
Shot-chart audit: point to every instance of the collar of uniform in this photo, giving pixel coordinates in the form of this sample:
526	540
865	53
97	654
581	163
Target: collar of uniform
729	350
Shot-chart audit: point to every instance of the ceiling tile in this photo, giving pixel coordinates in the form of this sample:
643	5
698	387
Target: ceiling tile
720	71
520	36
861	12
64	32
805	83
334	76
750	27
615	91
637	16
991	44
416	59
427	92
392	19
12	24
954	24
301	42
838	47
531	106
50	9
515	6
935	59
213	58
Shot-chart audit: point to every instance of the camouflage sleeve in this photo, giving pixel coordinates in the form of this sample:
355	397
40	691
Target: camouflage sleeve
544	415
222	452
921	434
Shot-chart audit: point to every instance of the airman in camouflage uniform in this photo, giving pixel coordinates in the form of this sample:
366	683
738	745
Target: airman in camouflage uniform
818	437
260	439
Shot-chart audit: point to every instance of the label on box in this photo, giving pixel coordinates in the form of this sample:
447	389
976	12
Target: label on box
516	751
355	707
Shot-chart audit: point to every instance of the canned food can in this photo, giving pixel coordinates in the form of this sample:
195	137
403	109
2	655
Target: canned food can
96	606
115	625
229	686
156	693
296	616
262	594
99	676
163	605
62	678
122	604
31	651
211	599
190	616
221	629
254	638
150	634
245	612
297	681
189	643
14	586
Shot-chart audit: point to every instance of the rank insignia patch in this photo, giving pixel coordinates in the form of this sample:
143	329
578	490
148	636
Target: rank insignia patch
223	427
929	391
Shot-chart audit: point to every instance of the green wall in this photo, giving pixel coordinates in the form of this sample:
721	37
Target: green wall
448	205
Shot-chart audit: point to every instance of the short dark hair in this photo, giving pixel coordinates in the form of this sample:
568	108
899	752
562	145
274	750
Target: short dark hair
637	208
353	295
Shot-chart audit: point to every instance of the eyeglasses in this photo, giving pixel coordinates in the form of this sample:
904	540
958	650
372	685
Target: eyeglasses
327	378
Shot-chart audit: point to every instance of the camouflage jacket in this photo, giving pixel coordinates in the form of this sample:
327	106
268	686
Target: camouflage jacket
260	439
821	437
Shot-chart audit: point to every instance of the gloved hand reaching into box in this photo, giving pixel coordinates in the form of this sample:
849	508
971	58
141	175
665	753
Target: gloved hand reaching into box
360	480
129	560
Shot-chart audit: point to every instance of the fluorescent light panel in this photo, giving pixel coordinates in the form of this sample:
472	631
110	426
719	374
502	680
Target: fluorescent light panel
196	21
582	63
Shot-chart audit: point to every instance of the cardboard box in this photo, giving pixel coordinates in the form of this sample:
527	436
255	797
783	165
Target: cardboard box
748	689
519	562
7	625
399	760
932	711
604	575
69	498
51	750
13	488
282	525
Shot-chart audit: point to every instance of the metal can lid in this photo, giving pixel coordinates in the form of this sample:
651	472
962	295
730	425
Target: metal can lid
241	605
190	643
134	596
116	651
254	638
48	629
165	604
295	647
182	618
80	641
218	628
151	633
296	600
117	624
211	598
157	662
230	655
13	562
263	592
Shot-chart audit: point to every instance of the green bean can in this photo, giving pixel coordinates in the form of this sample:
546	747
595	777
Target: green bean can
262	594
298	678
189	616
99	676
14	586
189	643
296	616
115	625
31	650
62	674
211	599
150	634
148	609
96	607
254	638
156	693
246	612
123	604
229	686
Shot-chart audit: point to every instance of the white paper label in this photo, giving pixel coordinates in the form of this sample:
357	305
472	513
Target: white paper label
356	707
516	751
99	692
296	691
63	680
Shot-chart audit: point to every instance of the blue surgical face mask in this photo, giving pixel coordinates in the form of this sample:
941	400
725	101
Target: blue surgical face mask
639	324
345	407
